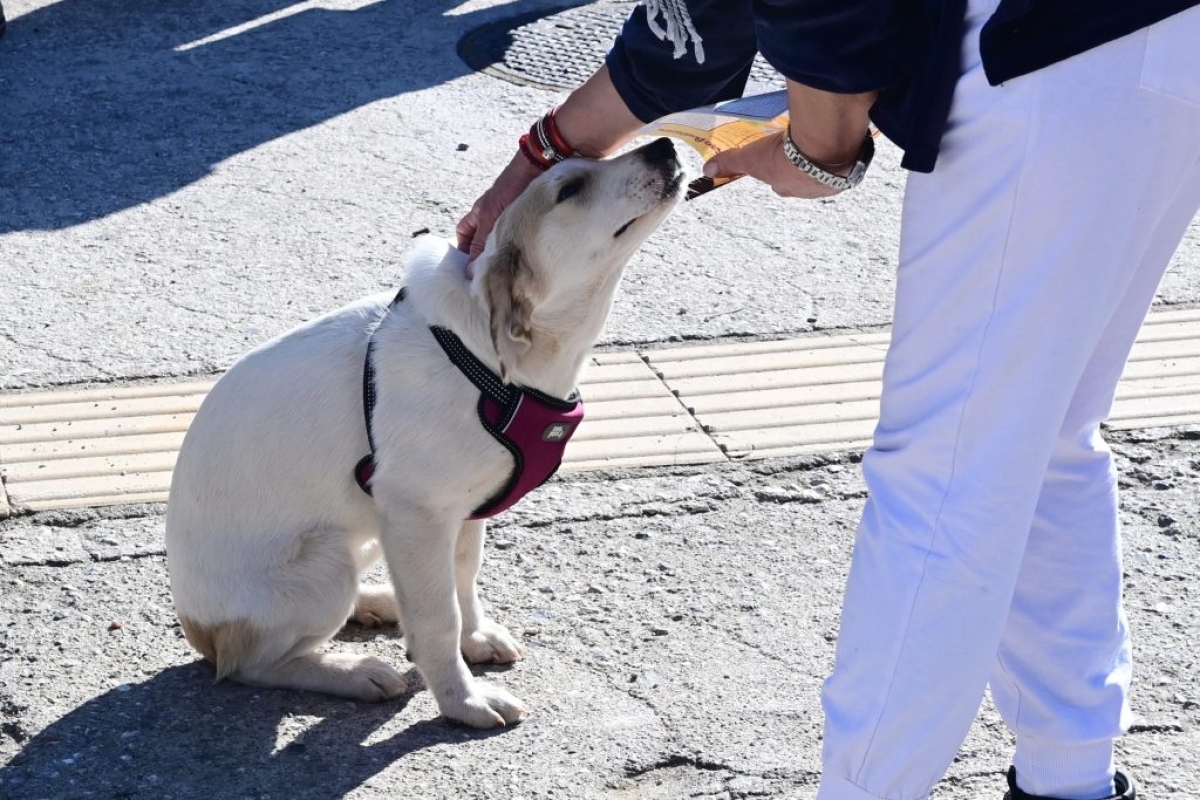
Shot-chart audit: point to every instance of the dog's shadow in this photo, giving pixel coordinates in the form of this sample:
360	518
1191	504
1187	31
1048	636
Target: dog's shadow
178	735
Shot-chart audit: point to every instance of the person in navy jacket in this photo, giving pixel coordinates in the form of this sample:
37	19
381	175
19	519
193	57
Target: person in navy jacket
1055	168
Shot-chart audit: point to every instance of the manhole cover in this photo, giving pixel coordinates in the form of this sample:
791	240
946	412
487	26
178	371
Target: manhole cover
559	49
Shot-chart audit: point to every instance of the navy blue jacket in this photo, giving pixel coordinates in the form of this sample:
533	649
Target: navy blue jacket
909	49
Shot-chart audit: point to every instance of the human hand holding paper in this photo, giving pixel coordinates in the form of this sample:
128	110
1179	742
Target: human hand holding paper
723	127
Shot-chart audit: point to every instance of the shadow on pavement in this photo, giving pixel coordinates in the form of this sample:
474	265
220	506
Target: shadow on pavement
108	104
177	735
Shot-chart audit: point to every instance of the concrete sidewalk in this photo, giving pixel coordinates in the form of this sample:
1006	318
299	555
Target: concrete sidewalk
180	183
678	625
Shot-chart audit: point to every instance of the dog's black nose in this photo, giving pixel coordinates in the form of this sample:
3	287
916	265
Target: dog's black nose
659	152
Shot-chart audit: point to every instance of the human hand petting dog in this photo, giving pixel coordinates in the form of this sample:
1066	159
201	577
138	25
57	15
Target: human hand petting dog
593	122
473	229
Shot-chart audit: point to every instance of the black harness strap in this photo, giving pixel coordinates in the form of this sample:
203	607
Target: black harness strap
484	379
365	468
368	393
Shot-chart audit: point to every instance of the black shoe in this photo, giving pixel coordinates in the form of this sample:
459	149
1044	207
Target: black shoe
1125	789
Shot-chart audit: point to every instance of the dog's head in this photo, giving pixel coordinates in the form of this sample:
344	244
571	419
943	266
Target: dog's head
555	256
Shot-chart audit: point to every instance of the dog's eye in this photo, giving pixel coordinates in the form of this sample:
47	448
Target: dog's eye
569	190
624	227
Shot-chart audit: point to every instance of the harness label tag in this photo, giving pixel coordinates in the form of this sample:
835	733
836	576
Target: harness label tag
556	432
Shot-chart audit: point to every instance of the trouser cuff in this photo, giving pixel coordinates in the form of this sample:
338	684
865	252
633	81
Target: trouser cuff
1070	772
842	789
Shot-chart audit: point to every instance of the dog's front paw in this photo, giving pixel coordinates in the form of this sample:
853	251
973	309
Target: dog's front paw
486	706
490	642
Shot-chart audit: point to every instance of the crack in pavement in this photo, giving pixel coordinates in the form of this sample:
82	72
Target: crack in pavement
46	351
142	378
632	770
79	517
6	502
1149	728
649	509
679	760
735	636
93	558
199	311
58	539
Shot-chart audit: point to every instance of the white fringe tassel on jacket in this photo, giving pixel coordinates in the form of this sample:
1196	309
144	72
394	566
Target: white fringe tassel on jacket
679	28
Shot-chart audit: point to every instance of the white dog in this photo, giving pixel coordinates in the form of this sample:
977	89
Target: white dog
267	529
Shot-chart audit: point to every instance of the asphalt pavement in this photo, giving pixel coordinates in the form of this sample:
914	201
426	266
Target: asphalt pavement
179	182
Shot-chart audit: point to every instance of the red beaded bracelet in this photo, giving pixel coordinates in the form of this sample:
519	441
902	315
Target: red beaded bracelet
544	145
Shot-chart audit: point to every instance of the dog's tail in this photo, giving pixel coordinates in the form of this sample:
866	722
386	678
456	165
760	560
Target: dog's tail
226	645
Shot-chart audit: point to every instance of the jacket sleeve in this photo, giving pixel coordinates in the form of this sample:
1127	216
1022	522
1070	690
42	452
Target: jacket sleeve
850	46
653	83
833	45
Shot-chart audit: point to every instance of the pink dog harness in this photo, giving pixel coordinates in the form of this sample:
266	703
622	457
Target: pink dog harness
533	426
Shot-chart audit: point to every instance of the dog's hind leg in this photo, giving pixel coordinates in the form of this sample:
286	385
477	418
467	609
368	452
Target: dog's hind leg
482	640
343	674
299	602
243	654
375	606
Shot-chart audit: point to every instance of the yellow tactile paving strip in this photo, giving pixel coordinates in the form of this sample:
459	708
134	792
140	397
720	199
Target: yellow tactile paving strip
765	399
118	445
683	405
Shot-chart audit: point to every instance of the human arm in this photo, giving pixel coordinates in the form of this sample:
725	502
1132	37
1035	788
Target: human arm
640	81
827	127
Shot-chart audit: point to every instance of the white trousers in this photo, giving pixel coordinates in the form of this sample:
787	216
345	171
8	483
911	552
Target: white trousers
989	549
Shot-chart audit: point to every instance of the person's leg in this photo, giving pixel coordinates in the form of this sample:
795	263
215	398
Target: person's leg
1015	255
1061	681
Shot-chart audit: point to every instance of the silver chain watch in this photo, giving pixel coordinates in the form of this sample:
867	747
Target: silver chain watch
802	163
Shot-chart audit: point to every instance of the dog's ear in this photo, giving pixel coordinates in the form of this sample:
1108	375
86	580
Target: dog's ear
508	284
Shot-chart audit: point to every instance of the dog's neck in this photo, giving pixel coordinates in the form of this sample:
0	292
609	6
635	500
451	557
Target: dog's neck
562	341
447	294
